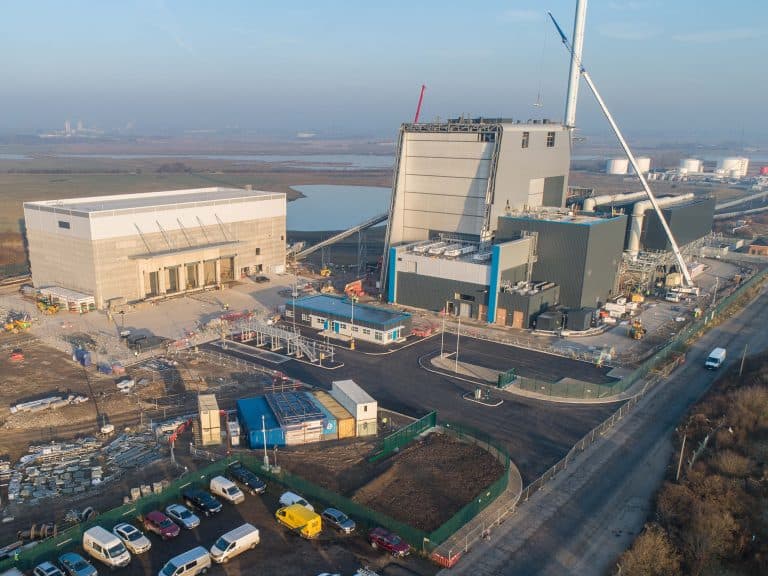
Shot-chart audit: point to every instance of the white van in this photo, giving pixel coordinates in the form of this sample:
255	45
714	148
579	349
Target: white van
227	489
191	563
235	542
105	547
715	359
289	498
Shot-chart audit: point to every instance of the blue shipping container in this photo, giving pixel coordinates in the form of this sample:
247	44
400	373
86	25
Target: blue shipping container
329	421
249	413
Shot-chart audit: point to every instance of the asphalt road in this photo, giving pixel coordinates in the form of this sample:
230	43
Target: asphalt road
582	521
536	433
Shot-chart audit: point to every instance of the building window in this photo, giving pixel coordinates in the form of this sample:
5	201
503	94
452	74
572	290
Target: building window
343	326
365	407
550	139
378	335
526	139
355	329
258	251
64	224
367	331
289	313
305	318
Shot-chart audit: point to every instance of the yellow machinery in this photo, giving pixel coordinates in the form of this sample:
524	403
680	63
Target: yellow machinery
325	272
637	330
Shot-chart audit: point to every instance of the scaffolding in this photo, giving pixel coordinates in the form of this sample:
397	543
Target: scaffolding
257	333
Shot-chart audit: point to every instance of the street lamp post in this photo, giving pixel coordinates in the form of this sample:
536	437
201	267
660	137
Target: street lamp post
442	333
458	336
264	436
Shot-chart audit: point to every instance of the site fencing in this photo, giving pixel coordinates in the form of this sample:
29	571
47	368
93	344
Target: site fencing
669	353
490	494
404	436
71	537
651	371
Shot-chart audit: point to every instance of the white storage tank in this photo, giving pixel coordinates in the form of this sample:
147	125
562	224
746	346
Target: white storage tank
690	166
644	162
617	166
358	403
733	166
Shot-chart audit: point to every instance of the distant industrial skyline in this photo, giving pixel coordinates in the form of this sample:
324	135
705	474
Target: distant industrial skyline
685	70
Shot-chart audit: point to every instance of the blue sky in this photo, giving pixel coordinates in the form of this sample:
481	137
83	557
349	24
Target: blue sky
695	69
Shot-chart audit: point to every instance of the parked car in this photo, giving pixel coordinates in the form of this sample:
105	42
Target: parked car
182	516
75	565
132	537
247	479
260	279
47	569
201	501
339	520
161	525
289	498
389	542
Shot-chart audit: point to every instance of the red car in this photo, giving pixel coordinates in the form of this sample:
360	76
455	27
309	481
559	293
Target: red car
389	542
161	525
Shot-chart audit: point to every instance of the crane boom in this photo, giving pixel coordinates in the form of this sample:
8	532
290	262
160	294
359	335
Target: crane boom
588	79
418	106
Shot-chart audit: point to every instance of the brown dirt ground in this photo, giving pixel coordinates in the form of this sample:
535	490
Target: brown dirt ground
423	486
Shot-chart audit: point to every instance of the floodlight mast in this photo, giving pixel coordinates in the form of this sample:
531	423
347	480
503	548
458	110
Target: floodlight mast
588	79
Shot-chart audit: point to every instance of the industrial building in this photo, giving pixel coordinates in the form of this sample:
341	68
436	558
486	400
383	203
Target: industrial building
689	217
467	279
133	247
342	317
580	253
458	177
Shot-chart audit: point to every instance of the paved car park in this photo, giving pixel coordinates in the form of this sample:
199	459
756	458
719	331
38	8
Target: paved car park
279	551
537	433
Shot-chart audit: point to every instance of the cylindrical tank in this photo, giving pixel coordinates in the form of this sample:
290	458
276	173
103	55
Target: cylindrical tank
617	166
733	166
690	166
763	170
644	163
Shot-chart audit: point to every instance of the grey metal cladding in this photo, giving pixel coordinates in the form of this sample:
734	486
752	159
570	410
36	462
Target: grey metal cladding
432	293
582	259
688	222
602	261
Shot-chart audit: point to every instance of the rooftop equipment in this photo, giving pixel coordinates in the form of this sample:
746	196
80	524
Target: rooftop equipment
461	251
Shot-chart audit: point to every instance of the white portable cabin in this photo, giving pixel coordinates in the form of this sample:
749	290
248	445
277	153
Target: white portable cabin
358	403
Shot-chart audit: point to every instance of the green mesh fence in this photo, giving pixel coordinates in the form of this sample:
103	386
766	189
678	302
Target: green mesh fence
482	500
404	436
70	538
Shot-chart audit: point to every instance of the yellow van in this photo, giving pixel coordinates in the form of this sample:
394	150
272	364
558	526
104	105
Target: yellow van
296	517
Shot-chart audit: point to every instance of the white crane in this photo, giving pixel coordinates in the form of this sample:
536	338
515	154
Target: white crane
576	64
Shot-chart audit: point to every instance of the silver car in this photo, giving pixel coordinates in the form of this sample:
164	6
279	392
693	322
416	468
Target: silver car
339	520
132	537
47	569
182	516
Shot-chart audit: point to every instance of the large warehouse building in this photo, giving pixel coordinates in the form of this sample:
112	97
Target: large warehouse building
133	247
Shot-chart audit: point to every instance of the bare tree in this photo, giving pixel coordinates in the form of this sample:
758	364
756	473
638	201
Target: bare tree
652	554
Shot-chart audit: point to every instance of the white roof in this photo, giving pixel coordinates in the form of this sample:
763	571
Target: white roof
354	392
153	199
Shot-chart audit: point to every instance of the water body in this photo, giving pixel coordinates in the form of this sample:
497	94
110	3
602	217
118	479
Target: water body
15	157
333	207
307	161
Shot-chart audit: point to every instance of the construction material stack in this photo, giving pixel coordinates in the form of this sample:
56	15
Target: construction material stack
210	419
358	403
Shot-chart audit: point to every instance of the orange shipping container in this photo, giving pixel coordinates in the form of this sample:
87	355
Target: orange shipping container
345	422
